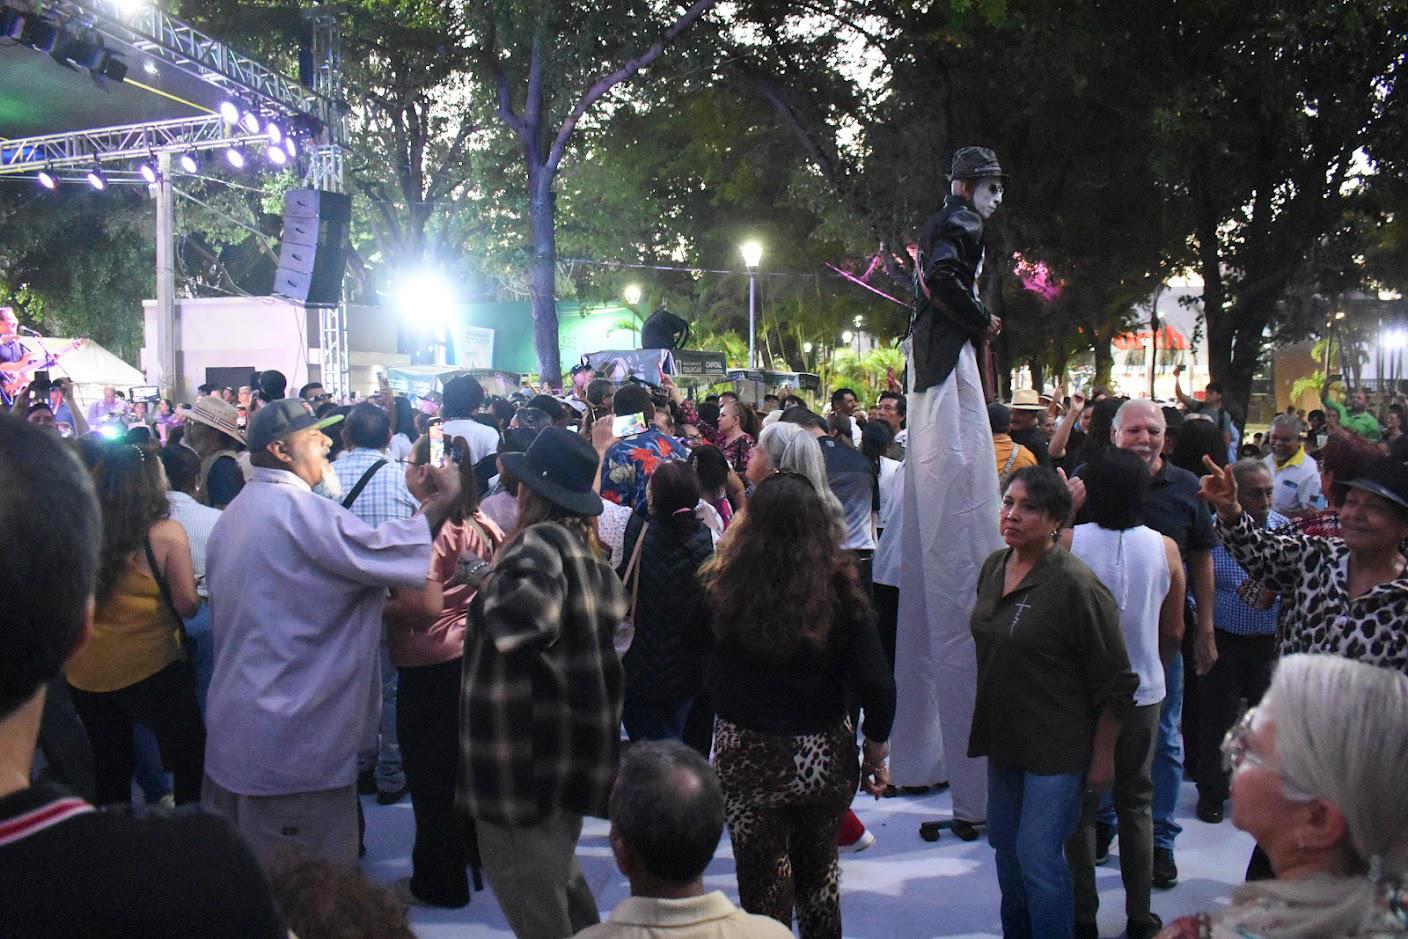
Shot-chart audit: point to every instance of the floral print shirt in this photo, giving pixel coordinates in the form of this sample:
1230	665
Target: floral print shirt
626	470
737	453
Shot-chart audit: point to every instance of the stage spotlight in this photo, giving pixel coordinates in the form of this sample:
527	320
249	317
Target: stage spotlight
188	161
235	157
112	68
250	122
290	147
97	179
47	180
148	172
275	134
229	112
276	155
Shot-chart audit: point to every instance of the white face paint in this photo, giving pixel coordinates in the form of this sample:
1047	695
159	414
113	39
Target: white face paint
987	196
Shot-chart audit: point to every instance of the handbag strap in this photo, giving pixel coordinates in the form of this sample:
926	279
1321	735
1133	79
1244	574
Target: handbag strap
362	484
165	591
632	575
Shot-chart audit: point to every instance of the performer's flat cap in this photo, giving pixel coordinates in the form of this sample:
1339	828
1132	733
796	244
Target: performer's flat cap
975	163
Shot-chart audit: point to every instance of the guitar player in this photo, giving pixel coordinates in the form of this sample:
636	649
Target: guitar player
13	356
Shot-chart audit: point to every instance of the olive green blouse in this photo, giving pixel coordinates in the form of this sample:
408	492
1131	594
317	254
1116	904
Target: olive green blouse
1051	657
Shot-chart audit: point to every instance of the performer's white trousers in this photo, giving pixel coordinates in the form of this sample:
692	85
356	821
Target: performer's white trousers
939	534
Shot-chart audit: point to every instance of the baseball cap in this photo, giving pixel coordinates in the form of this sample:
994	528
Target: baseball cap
278	419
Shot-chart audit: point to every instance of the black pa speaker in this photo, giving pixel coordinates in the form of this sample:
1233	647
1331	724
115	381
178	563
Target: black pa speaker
313	253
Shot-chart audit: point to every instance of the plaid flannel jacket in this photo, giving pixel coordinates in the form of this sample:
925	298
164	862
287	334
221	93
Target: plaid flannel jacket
541	699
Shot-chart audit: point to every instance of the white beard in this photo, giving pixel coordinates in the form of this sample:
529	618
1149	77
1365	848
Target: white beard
331	486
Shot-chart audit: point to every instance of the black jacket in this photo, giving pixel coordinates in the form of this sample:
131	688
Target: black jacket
668	657
951	314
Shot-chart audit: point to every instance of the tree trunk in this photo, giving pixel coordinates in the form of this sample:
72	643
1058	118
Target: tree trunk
1038	373
541	211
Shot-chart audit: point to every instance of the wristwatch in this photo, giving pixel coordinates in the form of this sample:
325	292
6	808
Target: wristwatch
471	570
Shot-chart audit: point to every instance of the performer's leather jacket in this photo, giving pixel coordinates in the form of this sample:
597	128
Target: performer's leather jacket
949	314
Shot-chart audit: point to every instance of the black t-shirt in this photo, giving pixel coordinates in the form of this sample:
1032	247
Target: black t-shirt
1034	440
224	481
69	870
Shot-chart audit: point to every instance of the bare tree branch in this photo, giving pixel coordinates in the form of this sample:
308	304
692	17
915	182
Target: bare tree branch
625	72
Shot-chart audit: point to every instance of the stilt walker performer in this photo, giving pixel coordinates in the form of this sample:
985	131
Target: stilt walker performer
948	512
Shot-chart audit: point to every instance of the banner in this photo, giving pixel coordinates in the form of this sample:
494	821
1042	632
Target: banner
476	347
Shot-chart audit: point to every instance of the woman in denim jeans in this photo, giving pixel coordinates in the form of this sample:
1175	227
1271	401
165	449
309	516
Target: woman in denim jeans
1053	678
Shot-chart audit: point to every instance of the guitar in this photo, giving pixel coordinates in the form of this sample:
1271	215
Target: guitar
17	375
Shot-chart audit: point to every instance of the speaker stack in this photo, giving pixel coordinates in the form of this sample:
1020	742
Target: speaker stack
313	254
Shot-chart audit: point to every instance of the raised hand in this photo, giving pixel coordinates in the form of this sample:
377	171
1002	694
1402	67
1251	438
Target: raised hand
1219	489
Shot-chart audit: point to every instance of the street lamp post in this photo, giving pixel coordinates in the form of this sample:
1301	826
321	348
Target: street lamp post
752	257
632	293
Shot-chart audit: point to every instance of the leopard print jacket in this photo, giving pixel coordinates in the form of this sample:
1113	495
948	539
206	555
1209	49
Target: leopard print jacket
1312	576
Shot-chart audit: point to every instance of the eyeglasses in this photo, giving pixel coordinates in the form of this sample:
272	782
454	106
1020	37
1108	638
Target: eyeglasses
1236	745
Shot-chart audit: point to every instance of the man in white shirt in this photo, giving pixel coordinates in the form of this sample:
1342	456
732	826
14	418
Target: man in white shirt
1295	476
462	398
182	465
667	815
299	586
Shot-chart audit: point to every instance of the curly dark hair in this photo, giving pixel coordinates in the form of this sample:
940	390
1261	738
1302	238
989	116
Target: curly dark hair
132	495
786	529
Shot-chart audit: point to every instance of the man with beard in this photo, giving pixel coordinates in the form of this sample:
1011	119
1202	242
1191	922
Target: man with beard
301	585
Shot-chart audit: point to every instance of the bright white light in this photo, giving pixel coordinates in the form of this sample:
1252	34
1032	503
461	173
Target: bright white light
858	321
276	155
47	180
290	147
235	156
110	431
130	6
426	297
250	122
1395	339
1339	314
188	162
632	294
275	134
97	180
847	336
807	348
229	112
148	172
752	254
150	68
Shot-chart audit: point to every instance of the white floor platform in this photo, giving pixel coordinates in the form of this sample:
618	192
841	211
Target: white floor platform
900	888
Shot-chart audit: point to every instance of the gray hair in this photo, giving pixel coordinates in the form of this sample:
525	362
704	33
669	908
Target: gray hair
1246	466
1286	420
1342	736
668	808
791	448
1135	404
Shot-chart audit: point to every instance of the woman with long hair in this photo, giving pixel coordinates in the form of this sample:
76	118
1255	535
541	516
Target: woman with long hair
665	664
541	695
425	637
715	479
133	667
790	448
1199	437
790	646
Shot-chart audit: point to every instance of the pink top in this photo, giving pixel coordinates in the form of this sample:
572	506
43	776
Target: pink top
443	639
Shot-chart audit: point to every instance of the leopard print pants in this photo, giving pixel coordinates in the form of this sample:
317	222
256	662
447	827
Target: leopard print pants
784	796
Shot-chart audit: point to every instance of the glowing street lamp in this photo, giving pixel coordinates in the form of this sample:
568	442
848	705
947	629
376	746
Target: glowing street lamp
752	257
632	294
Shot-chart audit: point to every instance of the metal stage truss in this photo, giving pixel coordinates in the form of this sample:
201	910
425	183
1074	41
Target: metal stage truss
146	32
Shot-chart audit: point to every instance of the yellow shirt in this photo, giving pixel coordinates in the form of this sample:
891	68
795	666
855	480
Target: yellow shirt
134	636
1002	445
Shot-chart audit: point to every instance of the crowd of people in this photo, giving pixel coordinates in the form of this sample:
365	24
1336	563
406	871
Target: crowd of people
524	612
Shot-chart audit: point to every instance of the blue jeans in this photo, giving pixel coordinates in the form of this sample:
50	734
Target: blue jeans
147	770
386	760
654	720
1030	816
1168	757
202	651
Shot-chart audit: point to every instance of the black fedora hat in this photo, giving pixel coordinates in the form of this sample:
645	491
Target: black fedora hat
975	163
1386	478
560	466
